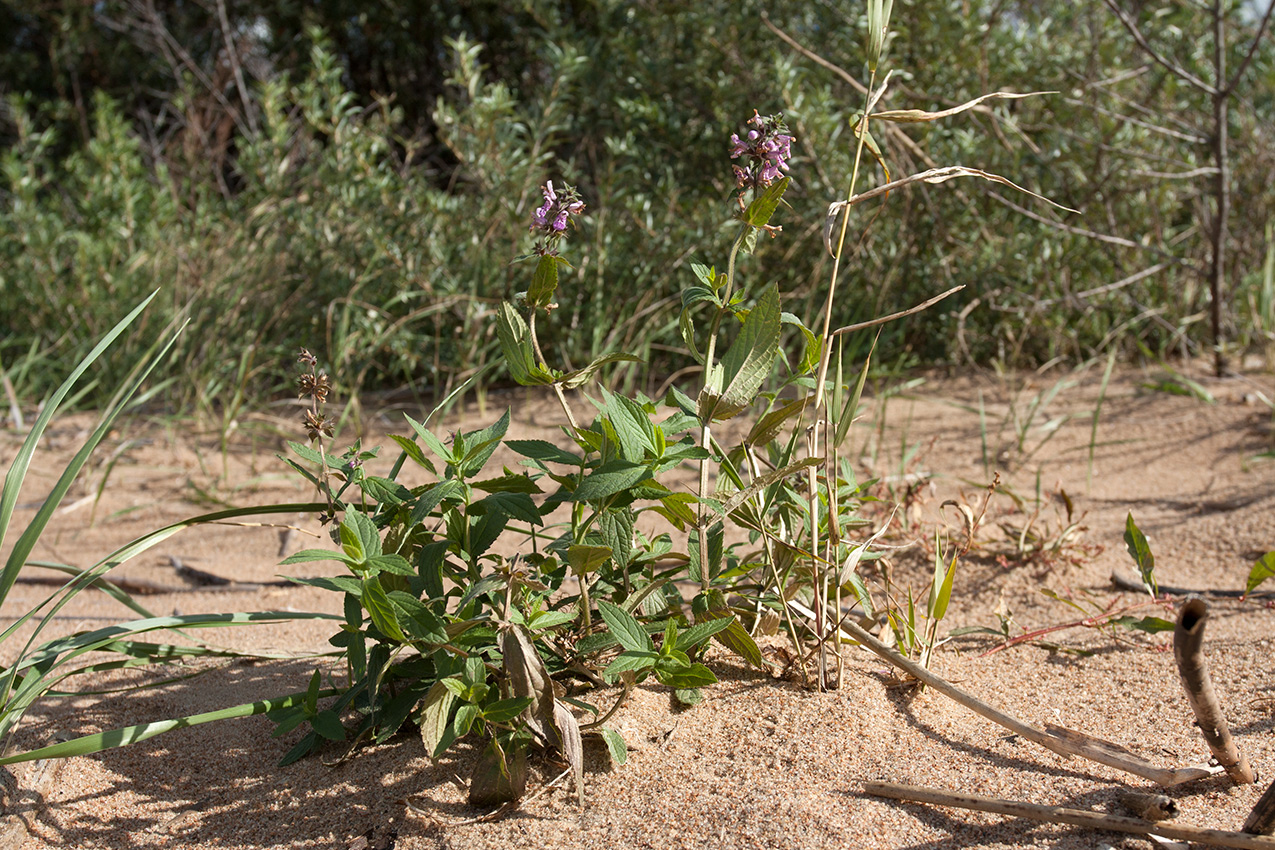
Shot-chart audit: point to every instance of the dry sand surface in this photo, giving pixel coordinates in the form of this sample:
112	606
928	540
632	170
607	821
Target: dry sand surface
762	762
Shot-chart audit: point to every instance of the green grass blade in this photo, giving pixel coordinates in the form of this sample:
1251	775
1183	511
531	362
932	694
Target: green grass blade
89	744
22	461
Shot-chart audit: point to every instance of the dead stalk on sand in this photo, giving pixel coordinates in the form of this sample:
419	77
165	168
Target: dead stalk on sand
1188	639
1076	817
1062	741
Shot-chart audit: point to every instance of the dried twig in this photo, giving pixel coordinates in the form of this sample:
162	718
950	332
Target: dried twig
1062	741
1076	817
890	318
1261	821
1188	638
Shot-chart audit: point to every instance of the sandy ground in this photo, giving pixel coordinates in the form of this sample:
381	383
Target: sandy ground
763	762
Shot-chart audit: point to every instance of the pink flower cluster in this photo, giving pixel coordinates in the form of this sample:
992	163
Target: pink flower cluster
767	146
552	216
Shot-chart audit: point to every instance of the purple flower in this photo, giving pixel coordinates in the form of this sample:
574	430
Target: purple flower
551	218
767	148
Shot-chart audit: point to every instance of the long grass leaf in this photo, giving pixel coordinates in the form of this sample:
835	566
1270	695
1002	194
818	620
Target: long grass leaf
22	461
89	744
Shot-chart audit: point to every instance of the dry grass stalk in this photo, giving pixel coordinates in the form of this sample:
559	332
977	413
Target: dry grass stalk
1188	639
1062	741
1261	821
1075	817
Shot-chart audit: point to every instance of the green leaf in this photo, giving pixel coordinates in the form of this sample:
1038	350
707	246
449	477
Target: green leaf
395	564
610	478
631	661
481	444
544	282
310	555
431	442
341	584
616	528
585	559
544	451
431	498
627	630
385	491
1150	625
502	711
515	346
748	362
517	505
435	711
510	482
1142	556
580	377
465	717
688	696
359	536
616	747
763	206
693	676
416	618
328	724
1263	568
378	606
701	632
414	452
96	743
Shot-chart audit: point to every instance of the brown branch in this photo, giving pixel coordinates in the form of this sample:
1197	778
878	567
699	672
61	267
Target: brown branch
1252	50
1141	39
1075	817
1188	638
1261	821
890	318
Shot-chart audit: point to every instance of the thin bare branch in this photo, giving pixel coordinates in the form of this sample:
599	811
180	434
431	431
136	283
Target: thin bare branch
890	318
1177	70
1075	817
1056	738
1252	51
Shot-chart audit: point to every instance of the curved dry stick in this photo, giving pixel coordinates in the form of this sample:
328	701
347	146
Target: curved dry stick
1187	640
1065	742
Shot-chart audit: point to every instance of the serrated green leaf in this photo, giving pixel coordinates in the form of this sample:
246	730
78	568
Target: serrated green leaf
627	630
747	363
701	632
378	606
585	559
310	555
694	676
431	442
544	283
609	479
502	711
435	711
544	451
515	346
414	452
763	206
395	564
580	377
631	661
386	492
688	696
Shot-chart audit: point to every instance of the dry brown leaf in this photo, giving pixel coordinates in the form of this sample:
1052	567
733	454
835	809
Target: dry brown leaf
916	116
572	744
529	678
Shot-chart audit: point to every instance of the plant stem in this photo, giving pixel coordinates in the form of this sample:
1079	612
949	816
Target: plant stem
706	436
557	388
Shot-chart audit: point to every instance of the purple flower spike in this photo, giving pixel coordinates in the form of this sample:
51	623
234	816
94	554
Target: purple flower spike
767	149
550	220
